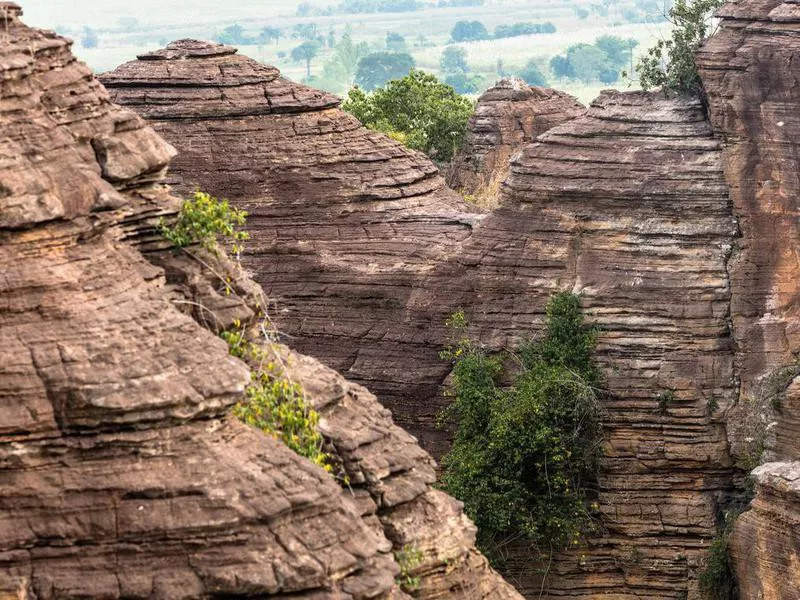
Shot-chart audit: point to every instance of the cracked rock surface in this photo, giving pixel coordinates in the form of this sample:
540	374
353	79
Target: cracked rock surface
121	473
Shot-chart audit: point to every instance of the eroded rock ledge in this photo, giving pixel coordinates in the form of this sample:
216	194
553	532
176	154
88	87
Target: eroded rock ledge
344	221
121	474
507	116
598	205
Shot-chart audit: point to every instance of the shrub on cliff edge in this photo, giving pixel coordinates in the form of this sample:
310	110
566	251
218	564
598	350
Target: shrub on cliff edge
669	64
524	455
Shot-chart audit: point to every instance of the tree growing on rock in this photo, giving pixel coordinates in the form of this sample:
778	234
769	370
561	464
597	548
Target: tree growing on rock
669	64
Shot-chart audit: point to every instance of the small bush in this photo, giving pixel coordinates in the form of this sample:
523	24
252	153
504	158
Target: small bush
524	455
202	219
274	404
408	559
669	64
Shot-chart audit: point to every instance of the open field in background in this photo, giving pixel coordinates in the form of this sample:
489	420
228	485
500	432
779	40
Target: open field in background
427	32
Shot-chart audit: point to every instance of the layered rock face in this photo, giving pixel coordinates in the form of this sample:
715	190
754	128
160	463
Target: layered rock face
507	116
121	474
753	105
600	206
343	220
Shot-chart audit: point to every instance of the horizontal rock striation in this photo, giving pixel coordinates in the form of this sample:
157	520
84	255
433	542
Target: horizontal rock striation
627	206
765	544
507	116
753	101
121	475
343	220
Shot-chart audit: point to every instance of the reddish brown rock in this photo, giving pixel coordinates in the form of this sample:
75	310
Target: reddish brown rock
121	475
344	221
765	544
599	206
507	116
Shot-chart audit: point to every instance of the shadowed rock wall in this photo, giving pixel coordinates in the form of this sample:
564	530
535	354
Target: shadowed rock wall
121	475
749	75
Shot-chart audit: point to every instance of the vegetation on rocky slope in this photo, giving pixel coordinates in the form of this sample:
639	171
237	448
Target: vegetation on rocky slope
670	63
525	450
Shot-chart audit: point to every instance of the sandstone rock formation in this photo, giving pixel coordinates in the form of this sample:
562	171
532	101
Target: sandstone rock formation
507	116
598	205
343	220
765	544
682	247
753	105
121	474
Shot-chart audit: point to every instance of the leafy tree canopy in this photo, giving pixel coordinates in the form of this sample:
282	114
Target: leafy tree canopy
377	68
454	60
418	110
532	75
466	31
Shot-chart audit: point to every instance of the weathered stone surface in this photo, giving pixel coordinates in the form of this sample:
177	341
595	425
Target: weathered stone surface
765	544
598	205
507	116
753	102
628	204
121	474
344	221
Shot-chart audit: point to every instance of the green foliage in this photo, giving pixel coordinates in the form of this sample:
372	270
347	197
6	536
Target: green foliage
465	31
665	399
669	64
233	35
418	109
532	75
716	579
601	61
202	219
344	62
268	34
517	29
524	455
454	60
274	404
306	52
408	559
395	42
375	69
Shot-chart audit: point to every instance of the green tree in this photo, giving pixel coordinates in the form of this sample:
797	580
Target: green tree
377	68
306	31
670	63
466	31
342	65
524	453
395	42
587	62
306	52
268	34
560	66
463	83
233	35
532	75
617	49
454	60
418	110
